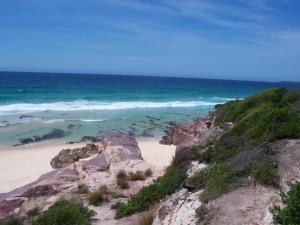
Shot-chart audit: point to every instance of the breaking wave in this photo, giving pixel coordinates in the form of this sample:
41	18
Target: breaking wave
82	105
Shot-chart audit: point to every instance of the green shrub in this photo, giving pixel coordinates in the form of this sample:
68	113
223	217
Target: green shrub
198	180
97	197
217	183
265	172
13	221
65	212
289	213
148	195
138	175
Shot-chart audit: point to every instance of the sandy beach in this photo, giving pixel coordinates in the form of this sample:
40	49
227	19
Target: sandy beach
24	164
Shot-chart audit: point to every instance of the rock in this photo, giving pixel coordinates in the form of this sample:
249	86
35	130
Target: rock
10	207
97	163
118	151
120	147
200	131
55	133
71	126
178	209
39	190
26	140
68	156
25	116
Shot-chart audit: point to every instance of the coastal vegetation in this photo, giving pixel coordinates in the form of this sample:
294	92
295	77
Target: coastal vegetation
65	212
97	197
148	195
289	213
246	150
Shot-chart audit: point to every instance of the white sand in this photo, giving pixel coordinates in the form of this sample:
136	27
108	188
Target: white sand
24	164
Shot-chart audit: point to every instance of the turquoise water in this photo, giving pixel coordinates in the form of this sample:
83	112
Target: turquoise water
84	104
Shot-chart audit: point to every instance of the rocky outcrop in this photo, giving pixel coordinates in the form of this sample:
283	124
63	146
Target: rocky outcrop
119	152
200	131
122	147
251	204
179	209
39	190
68	156
10	207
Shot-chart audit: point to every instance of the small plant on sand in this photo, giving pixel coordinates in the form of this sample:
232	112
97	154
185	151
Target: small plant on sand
148	172
138	175
65	212
145	218
83	189
97	197
265	172
122	179
289	213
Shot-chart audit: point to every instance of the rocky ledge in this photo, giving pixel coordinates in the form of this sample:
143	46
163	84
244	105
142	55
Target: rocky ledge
198	132
68	156
115	152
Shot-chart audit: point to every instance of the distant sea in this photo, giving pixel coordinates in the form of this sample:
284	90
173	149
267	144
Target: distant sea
86	104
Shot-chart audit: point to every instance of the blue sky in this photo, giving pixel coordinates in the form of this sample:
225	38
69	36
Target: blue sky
227	39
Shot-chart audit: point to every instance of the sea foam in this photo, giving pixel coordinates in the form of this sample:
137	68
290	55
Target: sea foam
82	105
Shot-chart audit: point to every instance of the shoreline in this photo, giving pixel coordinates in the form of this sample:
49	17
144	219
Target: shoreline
23	164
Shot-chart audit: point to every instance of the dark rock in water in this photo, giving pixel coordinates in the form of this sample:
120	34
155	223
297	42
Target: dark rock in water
9	208
71	126
55	133
39	190
26	140
68	156
147	133
131	133
25	116
172	123
90	138
152	118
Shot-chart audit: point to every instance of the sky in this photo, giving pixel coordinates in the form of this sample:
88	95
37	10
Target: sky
223	39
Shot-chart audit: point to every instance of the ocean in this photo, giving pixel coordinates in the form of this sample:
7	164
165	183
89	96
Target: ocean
33	104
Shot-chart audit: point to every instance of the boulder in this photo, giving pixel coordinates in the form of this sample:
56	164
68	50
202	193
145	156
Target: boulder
120	147
68	156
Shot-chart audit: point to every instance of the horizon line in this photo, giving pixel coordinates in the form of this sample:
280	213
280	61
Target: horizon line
135	75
